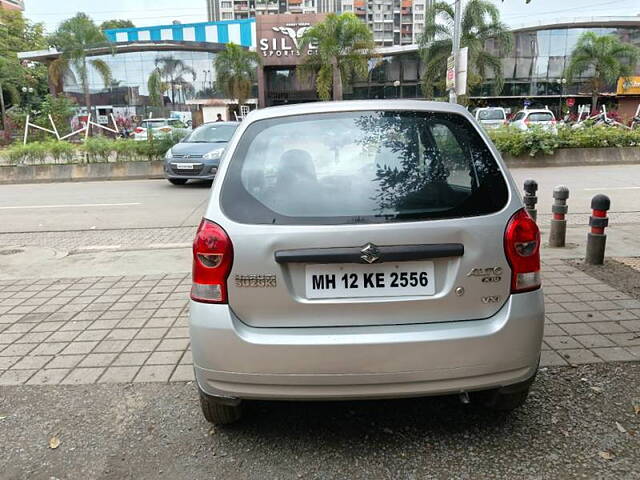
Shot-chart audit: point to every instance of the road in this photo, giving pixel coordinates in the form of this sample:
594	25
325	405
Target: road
156	203
568	429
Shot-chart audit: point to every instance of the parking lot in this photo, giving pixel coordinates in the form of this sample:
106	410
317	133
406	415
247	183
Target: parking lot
94	351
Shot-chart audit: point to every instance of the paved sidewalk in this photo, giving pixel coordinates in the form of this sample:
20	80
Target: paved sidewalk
134	329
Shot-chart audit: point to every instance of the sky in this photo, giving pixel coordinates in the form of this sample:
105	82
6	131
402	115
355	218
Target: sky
159	12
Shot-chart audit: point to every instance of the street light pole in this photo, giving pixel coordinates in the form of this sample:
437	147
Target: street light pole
457	26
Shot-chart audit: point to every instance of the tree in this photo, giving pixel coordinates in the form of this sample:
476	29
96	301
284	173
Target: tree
73	38
343	45
236	71
18	35
156	88
113	24
604	58
172	71
480	24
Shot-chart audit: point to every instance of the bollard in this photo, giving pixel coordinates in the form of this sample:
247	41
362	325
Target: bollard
530	199
597	239
558	231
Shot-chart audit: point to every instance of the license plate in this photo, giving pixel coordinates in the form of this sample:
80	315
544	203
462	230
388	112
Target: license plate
184	166
356	281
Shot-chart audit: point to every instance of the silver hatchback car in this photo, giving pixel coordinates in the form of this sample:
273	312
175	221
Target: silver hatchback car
362	250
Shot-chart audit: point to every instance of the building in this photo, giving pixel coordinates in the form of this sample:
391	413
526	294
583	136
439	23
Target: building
533	70
12	4
393	22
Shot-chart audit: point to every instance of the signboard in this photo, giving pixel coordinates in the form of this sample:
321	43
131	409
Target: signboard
571	102
461	71
451	73
629	86
279	37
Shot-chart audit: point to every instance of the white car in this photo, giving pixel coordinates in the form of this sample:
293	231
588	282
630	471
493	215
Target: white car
542	118
491	117
159	127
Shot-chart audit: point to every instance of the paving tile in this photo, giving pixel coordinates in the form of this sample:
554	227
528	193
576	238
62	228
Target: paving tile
178	332
631	325
133	359
619	315
620	339
8	338
147	333
49	348
118	375
164	358
562	342
64	361
33	337
182	373
563	317
51	376
577	307
614	354
132	323
15	377
32	362
46	327
75	325
92	335
159	322
60	336
580	356
173	344
79	347
111	346
80	376
7	362
103	325
607	327
142	345
17	349
154	373
577	329
549	358
122	334
19	328
593	341
97	360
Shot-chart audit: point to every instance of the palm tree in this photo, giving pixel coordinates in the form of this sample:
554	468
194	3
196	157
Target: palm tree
343	45
480	24
236	71
605	58
73	38
172	71
156	88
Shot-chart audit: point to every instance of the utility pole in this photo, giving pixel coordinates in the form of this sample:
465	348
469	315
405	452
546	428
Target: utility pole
457	26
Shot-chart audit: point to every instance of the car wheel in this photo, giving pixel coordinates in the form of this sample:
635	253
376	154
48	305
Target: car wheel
219	413
177	181
503	401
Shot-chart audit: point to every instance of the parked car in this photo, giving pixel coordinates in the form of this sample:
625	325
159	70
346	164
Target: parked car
197	156
363	250
159	126
491	117
542	118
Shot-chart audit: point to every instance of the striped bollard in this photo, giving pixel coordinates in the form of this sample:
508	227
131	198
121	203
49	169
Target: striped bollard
558	231
596	238
530	199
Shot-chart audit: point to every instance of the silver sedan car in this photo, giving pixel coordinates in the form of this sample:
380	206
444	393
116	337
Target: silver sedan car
363	250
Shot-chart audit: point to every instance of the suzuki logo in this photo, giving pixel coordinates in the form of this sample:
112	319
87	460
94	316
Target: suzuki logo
370	253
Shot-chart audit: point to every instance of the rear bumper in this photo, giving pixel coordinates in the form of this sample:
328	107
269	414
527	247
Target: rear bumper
235	361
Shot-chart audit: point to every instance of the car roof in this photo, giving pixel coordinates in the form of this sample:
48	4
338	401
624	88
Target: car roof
220	123
490	108
537	110
353	105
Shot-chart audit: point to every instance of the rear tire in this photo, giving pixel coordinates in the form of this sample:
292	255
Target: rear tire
503	401
219	413
177	181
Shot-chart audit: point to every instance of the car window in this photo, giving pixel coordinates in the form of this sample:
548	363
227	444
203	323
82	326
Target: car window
211	134
153	123
360	167
491	115
519	116
541	117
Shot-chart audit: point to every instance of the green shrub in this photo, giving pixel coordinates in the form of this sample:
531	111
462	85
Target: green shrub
98	149
531	142
62	152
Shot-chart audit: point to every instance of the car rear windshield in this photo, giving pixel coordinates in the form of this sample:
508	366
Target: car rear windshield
540	117
491	115
211	134
154	123
361	167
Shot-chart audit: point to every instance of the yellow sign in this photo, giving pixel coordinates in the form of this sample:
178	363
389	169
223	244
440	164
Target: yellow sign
629	86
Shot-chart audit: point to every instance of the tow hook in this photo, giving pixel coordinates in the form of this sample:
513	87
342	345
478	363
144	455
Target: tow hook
464	398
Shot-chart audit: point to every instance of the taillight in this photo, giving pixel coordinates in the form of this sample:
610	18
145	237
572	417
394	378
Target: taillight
139	130
527	122
522	248
212	260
